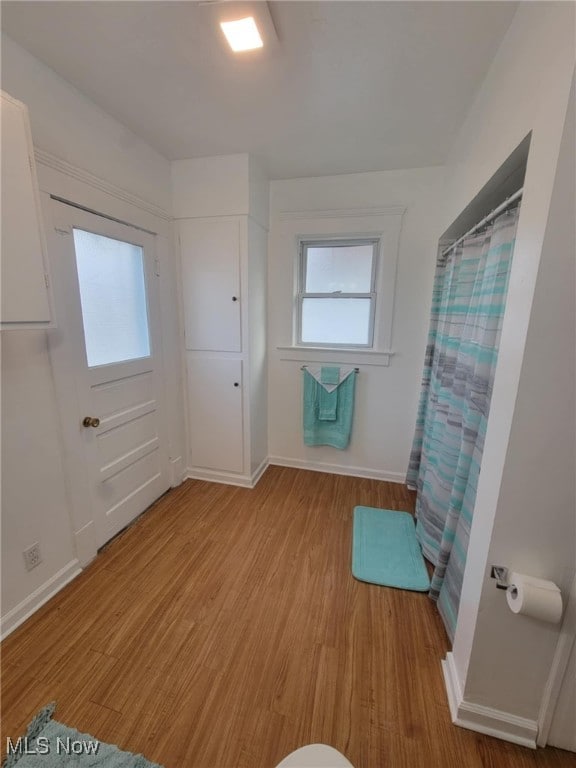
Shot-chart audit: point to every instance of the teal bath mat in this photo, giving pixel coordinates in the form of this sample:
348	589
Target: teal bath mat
385	550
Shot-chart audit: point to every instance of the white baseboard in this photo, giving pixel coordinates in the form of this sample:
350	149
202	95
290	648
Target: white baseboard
176	471
213	476
482	719
30	605
86	545
338	469
249	481
566	641
227	478
257	474
452	683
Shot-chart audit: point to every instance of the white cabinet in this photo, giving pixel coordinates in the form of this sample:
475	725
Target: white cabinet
216	435
25	299
211	283
223	279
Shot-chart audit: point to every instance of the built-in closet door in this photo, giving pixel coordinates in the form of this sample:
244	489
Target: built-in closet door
210	250
215	412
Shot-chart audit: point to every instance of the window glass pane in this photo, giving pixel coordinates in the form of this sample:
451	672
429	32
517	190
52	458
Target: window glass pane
346	268
336	321
113	297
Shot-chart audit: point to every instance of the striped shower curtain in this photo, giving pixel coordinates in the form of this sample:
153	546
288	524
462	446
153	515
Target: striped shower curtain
467	309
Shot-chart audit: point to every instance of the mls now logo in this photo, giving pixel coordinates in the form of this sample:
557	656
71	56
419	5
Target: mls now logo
42	745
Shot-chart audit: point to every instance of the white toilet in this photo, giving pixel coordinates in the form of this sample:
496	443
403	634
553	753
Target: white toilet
315	756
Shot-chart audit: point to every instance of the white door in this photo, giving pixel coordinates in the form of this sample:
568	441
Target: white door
111	325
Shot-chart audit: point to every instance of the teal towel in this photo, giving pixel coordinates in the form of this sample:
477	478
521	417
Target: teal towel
327	404
330	374
328	401
334	432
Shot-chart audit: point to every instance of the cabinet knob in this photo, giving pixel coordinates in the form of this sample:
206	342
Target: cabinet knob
234	298
91	421
236	384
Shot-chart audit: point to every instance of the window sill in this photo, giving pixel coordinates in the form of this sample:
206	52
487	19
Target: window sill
380	358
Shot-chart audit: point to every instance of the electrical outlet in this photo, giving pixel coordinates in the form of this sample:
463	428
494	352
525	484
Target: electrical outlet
32	556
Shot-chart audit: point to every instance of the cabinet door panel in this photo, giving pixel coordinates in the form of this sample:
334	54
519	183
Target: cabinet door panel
215	410
24	292
210	250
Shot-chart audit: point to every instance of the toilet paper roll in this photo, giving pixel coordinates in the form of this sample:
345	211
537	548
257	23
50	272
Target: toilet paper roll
536	598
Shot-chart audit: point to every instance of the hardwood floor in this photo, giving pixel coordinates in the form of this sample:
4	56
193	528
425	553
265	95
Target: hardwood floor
224	630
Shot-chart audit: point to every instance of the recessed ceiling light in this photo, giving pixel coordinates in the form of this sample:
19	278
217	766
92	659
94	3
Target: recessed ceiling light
242	35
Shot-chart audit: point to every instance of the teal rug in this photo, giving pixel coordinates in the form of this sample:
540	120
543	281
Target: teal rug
385	550
52	745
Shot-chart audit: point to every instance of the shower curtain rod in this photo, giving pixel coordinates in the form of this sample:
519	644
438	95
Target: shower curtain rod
487	219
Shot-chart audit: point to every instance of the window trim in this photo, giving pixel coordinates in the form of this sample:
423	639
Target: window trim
318	242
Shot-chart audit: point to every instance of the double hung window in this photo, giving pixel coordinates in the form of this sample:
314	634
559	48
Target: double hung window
336	292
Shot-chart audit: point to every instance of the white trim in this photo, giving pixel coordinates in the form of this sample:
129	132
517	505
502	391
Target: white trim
72	171
482	719
380	358
86	543
176	471
264	228
117	204
304	245
257	474
227	478
219	216
34	601
214	476
494	722
338	469
66	352
566	640
384	223
452	683
340	213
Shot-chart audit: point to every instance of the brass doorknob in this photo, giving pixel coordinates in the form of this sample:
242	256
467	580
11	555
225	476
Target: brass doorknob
90	421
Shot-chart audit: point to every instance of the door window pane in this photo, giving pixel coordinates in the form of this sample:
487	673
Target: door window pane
113	297
336	321
345	268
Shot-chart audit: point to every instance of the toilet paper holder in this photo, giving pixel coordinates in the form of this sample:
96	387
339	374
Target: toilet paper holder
501	574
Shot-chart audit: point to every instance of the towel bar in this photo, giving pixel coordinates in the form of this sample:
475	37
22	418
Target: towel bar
303	368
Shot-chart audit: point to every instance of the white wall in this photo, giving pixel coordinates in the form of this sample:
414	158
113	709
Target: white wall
211	186
70	126
34	502
257	292
223	185
535	523
524	516
562	733
35	506
387	397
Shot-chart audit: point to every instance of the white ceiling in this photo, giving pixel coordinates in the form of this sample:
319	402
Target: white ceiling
350	86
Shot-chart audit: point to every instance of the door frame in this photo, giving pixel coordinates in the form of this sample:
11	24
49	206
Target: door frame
65	219
551	695
73	186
